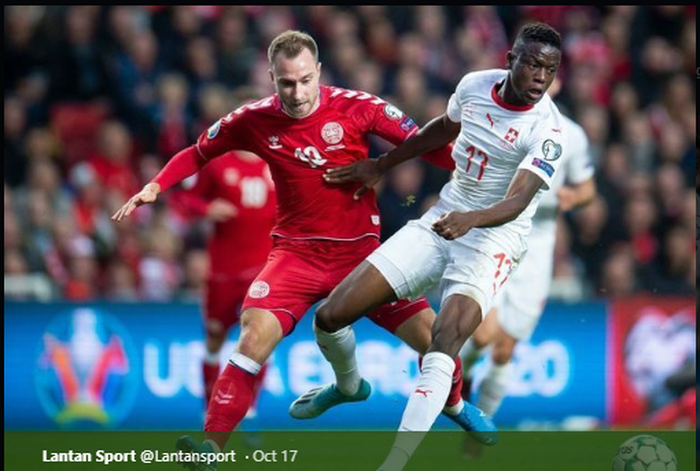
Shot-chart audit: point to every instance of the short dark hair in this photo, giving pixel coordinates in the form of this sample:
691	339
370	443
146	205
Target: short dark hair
537	33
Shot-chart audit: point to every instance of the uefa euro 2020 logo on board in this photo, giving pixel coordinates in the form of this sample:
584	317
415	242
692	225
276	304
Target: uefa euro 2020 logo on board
86	374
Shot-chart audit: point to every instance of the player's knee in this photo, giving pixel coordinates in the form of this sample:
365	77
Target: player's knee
249	341
252	332
329	317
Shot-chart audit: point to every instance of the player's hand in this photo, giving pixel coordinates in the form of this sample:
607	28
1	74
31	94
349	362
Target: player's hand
221	210
366	172
452	225
147	195
567	199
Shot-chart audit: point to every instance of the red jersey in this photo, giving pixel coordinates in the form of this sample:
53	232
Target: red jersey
299	151
242	242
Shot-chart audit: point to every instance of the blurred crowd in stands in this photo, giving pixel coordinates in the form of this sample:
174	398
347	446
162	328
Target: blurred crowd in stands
97	99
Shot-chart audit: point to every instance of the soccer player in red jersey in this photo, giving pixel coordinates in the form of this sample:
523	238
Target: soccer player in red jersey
322	232
235	192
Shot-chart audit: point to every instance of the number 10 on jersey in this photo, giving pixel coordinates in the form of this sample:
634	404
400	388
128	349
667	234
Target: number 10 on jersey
476	163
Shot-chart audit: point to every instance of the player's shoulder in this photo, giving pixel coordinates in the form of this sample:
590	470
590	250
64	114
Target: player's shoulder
547	114
344	98
481	81
253	109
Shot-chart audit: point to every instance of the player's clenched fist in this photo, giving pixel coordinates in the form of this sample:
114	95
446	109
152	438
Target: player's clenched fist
147	195
453	224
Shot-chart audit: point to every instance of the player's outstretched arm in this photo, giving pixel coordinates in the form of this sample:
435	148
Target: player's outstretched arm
522	189
437	133
147	195
182	165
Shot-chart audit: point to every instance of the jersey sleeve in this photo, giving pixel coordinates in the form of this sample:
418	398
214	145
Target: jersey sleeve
229	133
579	166
455	105
543	149
392	124
388	122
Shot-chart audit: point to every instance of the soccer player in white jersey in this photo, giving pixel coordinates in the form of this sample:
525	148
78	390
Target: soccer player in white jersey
509	143
520	304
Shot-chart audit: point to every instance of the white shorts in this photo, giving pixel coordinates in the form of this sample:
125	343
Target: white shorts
476	265
521	302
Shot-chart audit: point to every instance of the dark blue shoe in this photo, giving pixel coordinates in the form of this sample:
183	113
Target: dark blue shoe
479	425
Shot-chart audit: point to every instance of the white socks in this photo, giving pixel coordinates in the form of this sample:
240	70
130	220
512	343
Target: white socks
493	388
424	405
339	349
428	399
245	363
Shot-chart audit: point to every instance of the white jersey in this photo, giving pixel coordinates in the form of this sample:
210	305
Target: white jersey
496	140
576	168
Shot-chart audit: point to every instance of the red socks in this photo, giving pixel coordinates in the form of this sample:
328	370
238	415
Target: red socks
231	398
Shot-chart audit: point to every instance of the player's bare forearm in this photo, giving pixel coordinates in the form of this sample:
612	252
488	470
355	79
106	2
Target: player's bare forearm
521	191
437	133
576	196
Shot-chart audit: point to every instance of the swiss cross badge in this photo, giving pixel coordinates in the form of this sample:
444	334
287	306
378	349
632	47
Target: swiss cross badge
511	135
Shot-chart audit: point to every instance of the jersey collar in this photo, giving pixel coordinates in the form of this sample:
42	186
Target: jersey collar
499	101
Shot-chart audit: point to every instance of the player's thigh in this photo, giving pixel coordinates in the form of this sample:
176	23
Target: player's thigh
288	285
356	295
412	260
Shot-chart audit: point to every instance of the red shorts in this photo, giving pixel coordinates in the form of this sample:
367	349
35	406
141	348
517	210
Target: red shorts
223	297
299	273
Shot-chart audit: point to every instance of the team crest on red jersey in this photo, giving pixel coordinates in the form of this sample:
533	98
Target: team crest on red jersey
511	135
332	133
259	290
274	142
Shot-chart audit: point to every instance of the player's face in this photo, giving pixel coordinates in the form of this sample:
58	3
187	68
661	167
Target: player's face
532	70
296	83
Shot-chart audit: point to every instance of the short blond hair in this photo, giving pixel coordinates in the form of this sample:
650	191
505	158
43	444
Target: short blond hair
291	43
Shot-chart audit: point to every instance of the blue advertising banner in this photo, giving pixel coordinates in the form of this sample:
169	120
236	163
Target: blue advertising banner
138	366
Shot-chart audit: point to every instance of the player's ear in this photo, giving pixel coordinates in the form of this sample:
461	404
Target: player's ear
510	58
272	76
318	68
